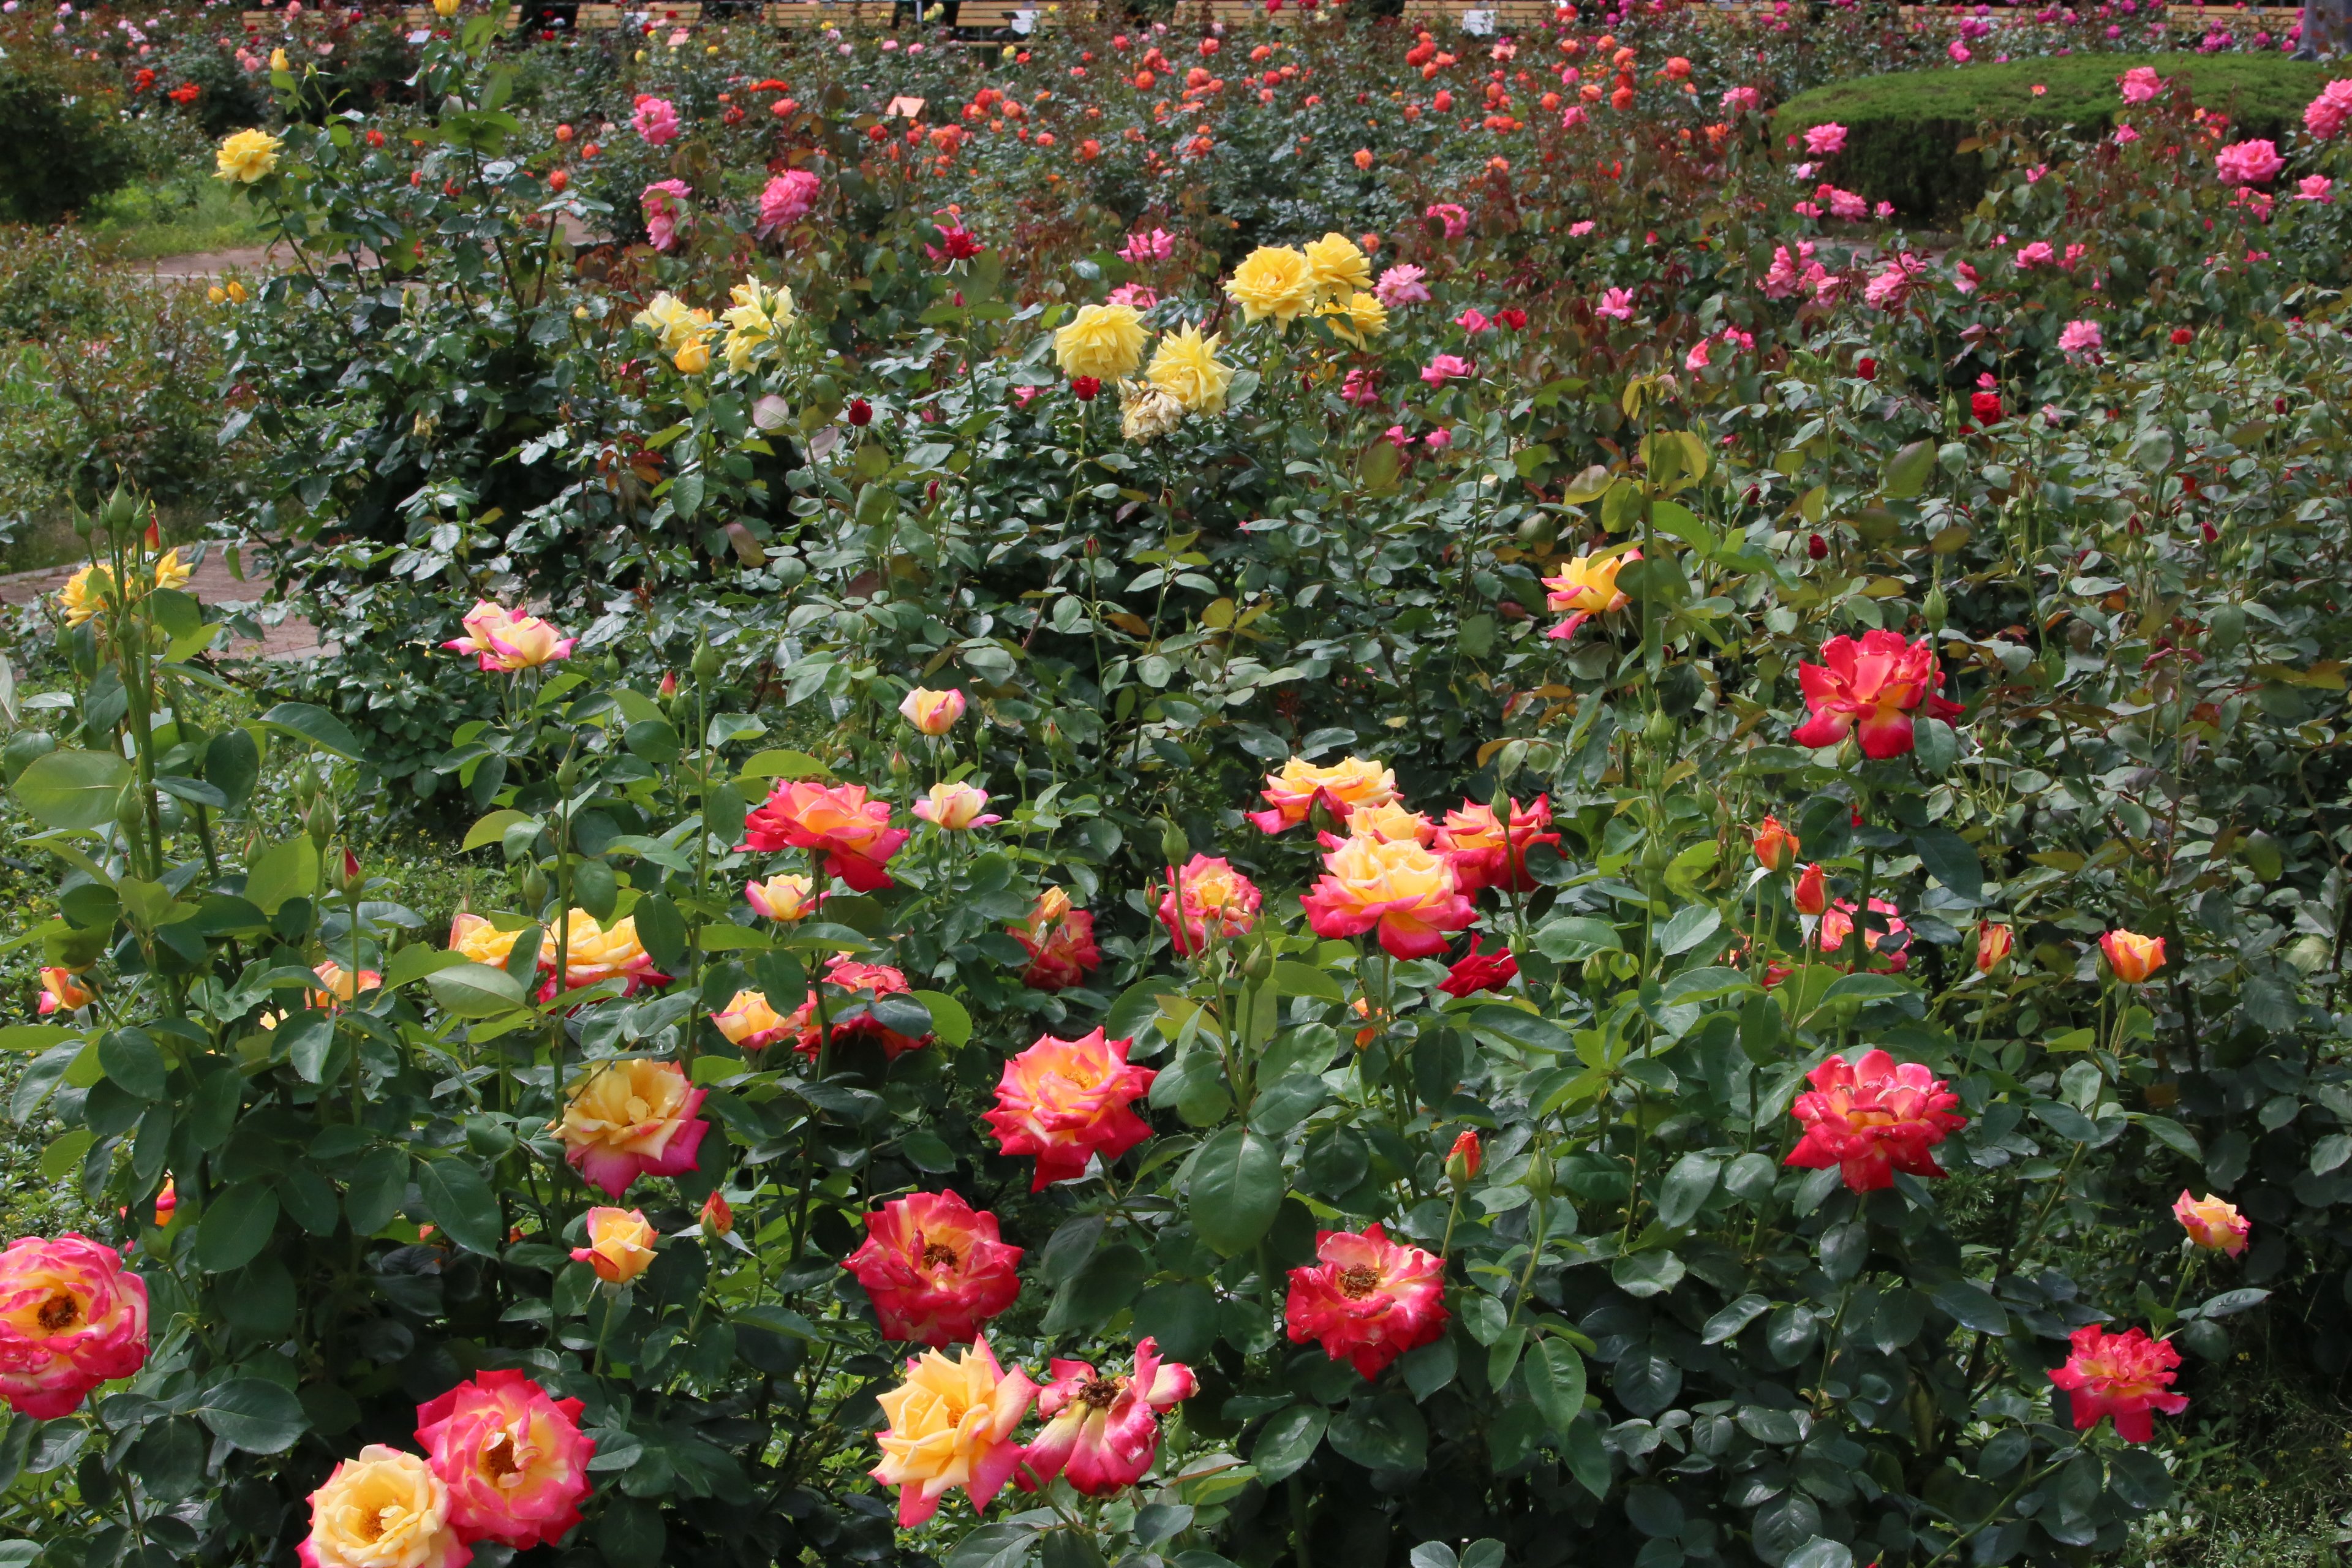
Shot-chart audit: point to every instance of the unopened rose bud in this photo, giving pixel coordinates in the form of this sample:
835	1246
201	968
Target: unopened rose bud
668	685
1936	610
706	661
321	822
1538	1177
717	1216
1812	895
1174	848
1463	1160
534	889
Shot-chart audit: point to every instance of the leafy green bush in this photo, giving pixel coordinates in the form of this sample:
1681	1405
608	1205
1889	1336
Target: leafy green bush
1911	135
62	147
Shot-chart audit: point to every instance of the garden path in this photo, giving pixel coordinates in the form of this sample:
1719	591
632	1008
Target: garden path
212	584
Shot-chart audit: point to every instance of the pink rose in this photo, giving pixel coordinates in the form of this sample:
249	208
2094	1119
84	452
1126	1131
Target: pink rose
71	1318
2249	163
514	1461
788	198
657	121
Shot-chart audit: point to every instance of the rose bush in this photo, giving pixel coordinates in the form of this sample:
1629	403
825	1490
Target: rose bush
998	863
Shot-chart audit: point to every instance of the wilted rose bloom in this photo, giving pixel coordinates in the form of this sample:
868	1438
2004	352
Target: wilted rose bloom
71	1318
1294	793
2123	1375
663	205
853	833
935	1268
630	1119
514	1461
1060	943
1405	892
62	992
858	982
954	807
1776	846
1443	368
782	897
2080	337
1586	587
1475	972
787	199
1369	1301
593	951
1207	898
1826	141
656	120
1483	855
2249	163
1065	1101
1872	1118
479	939
1891	945
1402	285
505	642
750	1023
2132	957
2212	1223
620	1245
1993	942
381	1509
950	1425
1871	687
1102	1433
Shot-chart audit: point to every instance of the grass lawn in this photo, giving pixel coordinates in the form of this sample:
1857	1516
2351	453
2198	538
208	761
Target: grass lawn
184	212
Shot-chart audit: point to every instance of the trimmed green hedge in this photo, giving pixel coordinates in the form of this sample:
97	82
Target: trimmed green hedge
1903	128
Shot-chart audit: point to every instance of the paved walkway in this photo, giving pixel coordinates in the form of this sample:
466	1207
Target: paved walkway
212	584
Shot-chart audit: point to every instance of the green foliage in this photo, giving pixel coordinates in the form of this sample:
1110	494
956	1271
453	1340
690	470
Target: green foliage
1914	137
61	147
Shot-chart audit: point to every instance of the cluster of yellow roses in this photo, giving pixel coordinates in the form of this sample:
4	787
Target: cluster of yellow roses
1329	278
1104	343
758	319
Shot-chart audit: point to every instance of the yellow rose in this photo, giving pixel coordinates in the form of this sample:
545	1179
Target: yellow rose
693	358
671	320
632	1118
596	953
1105	342
247	156
480	941
1338	268
83	597
382	1510
1185	366
620	1245
1587	585
951	1425
1359	317
278	62
170	572
445	8
759	316
1272	281
750	1022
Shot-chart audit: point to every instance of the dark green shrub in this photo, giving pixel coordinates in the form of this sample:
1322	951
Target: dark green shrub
61	149
1905	129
